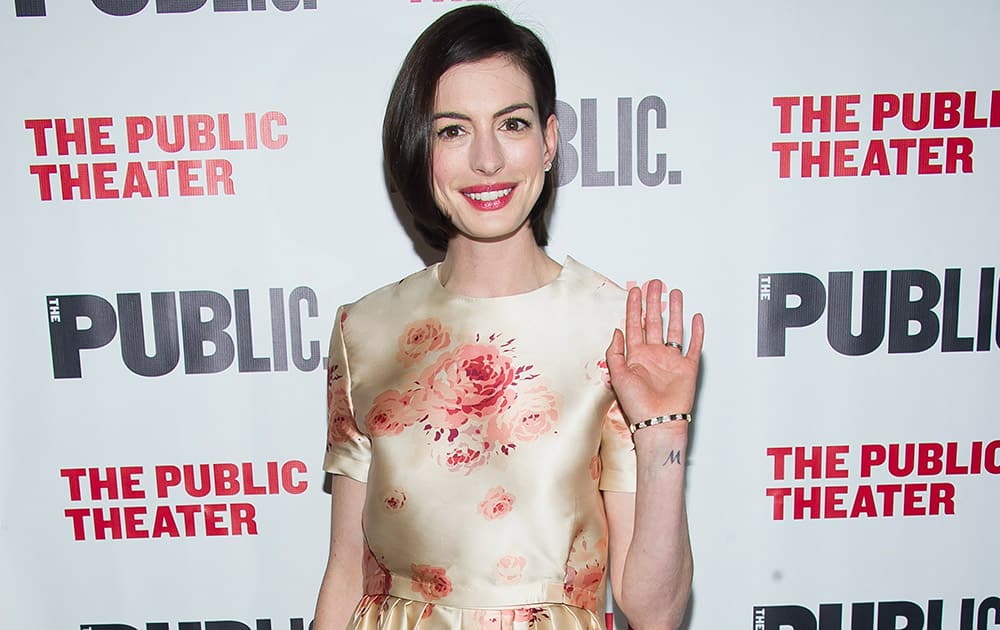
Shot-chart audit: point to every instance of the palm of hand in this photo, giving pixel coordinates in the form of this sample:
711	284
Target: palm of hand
650	378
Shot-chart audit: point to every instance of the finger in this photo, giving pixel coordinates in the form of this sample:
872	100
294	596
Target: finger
697	337
654	317
633	318
615	354
675	325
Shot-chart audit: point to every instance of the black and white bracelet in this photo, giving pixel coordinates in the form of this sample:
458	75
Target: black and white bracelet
674	417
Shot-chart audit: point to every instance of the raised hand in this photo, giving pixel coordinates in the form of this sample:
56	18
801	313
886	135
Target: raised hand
652	376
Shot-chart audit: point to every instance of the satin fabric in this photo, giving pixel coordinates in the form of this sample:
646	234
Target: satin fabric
385	612
485	430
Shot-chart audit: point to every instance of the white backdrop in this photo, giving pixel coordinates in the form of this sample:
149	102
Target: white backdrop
262	233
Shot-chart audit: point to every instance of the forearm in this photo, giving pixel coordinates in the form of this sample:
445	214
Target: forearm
656	580
338	595
341	588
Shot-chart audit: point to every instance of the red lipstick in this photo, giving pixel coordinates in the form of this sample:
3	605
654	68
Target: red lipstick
488	197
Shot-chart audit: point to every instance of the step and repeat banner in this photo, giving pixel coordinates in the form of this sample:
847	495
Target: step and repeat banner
192	187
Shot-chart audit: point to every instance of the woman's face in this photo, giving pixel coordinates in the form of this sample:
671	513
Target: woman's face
489	148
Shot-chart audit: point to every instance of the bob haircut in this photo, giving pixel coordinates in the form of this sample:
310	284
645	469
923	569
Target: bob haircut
468	34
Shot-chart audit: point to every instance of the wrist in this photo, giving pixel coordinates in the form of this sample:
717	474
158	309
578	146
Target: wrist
672	419
673	432
661	443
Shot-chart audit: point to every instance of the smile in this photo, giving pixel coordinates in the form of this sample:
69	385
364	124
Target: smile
489	197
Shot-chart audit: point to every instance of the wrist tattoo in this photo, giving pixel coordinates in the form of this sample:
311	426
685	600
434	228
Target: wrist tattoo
673	457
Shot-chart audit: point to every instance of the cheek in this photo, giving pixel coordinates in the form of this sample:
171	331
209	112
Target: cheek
527	155
439	177
443	168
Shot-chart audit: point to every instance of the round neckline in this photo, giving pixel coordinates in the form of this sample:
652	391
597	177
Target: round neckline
436	280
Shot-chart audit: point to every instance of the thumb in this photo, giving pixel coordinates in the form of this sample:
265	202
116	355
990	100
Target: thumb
615	354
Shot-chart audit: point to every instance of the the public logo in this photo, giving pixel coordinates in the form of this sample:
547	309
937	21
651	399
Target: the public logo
912	309
884	615
881	135
195	325
631	159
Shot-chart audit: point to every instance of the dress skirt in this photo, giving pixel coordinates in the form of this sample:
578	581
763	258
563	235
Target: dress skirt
386	612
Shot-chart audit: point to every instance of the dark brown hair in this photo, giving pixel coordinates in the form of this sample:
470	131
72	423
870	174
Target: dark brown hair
468	34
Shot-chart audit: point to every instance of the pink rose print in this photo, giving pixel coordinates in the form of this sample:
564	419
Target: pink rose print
595	467
333	375
421	337
497	504
532	414
499	430
340	425
494	619
616	420
472	402
508	569
462	458
377	579
431	582
504	619
585	572
389	414
581	586
462	453
597	371
470	380
437	417
530	615
395	501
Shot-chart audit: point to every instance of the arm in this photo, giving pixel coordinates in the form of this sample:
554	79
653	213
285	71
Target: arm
348	454
341	589
650	548
651	563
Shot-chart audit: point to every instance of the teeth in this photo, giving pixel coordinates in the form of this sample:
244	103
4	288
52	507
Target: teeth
491	195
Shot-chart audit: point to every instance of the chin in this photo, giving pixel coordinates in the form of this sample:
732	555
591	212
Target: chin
493	233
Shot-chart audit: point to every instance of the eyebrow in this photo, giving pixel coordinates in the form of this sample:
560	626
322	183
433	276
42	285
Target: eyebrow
503	112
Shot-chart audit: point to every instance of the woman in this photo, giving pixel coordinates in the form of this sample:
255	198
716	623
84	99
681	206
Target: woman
482	463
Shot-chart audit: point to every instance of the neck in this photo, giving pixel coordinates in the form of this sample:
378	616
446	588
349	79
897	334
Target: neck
496	268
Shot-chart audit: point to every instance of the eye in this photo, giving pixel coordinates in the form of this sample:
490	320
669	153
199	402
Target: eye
449	132
515	124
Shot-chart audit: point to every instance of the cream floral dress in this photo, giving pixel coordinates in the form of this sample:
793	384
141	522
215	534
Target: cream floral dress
485	429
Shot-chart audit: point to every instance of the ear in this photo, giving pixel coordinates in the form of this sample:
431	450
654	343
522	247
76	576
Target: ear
550	137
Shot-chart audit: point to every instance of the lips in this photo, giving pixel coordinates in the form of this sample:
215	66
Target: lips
488	197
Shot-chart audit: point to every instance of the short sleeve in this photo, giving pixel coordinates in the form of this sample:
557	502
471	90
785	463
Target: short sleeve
348	451
618	468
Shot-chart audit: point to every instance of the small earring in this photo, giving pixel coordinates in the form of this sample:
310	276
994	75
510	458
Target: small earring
548	166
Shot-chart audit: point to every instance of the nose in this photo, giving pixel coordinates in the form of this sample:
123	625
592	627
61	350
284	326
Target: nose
487	156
